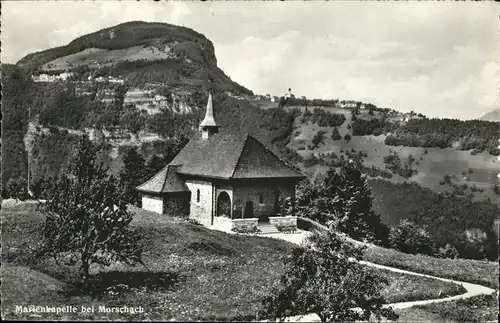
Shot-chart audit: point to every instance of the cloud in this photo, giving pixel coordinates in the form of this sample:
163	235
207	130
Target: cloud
436	58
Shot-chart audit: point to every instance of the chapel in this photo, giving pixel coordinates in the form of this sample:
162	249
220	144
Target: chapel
221	175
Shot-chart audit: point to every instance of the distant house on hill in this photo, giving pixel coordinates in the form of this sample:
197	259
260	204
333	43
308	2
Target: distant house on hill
348	104
221	179
51	77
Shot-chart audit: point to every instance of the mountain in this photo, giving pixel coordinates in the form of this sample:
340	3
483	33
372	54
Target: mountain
142	83
141	52
491	116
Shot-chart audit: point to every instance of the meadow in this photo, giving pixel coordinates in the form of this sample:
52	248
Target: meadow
193	273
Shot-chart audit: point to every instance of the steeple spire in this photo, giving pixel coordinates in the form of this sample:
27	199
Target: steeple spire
208	126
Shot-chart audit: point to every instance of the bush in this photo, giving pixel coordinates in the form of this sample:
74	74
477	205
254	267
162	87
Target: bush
16	188
393	163
245	230
447	251
285	228
411	238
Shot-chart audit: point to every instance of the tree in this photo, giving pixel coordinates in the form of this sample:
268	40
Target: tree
408	237
153	166
134	121
342	199
335	134
87	221
326	278
16	188
132	174
319	138
347	137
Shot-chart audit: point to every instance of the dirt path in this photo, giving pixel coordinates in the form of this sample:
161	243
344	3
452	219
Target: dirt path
472	289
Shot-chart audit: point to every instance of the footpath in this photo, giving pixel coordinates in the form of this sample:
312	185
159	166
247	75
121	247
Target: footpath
471	289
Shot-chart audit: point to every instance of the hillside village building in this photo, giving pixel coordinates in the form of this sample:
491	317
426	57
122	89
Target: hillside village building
221	178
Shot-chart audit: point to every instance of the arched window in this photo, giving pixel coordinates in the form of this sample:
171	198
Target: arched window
224	205
261	198
198	196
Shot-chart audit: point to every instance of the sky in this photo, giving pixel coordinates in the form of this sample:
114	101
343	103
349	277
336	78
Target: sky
436	58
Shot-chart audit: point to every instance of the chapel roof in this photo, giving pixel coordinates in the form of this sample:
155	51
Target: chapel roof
231	156
165	181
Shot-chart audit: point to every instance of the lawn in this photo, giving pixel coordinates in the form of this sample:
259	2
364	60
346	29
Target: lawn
406	288
193	273
472	271
479	309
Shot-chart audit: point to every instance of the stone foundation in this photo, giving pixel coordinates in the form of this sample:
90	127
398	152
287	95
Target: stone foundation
245	225
238	225
284	223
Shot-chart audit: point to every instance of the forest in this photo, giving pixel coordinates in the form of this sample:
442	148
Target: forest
466	224
58	105
323	118
470	134
376	127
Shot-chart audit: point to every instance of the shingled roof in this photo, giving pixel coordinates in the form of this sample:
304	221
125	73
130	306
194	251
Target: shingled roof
165	181
226	155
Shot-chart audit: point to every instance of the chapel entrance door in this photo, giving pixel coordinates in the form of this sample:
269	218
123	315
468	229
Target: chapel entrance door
248	209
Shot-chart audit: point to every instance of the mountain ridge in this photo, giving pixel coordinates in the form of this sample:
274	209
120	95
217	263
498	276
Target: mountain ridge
143	52
491	116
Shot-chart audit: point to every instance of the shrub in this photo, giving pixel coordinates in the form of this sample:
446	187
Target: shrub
285	228
411	238
447	251
246	230
16	188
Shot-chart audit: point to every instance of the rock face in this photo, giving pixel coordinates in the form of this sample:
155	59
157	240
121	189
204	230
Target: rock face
141	52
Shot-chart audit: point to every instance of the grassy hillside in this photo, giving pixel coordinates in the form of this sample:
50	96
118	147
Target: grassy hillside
472	271
140	52
126	35
473	170
195	273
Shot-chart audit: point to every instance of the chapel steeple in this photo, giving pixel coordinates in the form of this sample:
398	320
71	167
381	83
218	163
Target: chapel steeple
208	126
